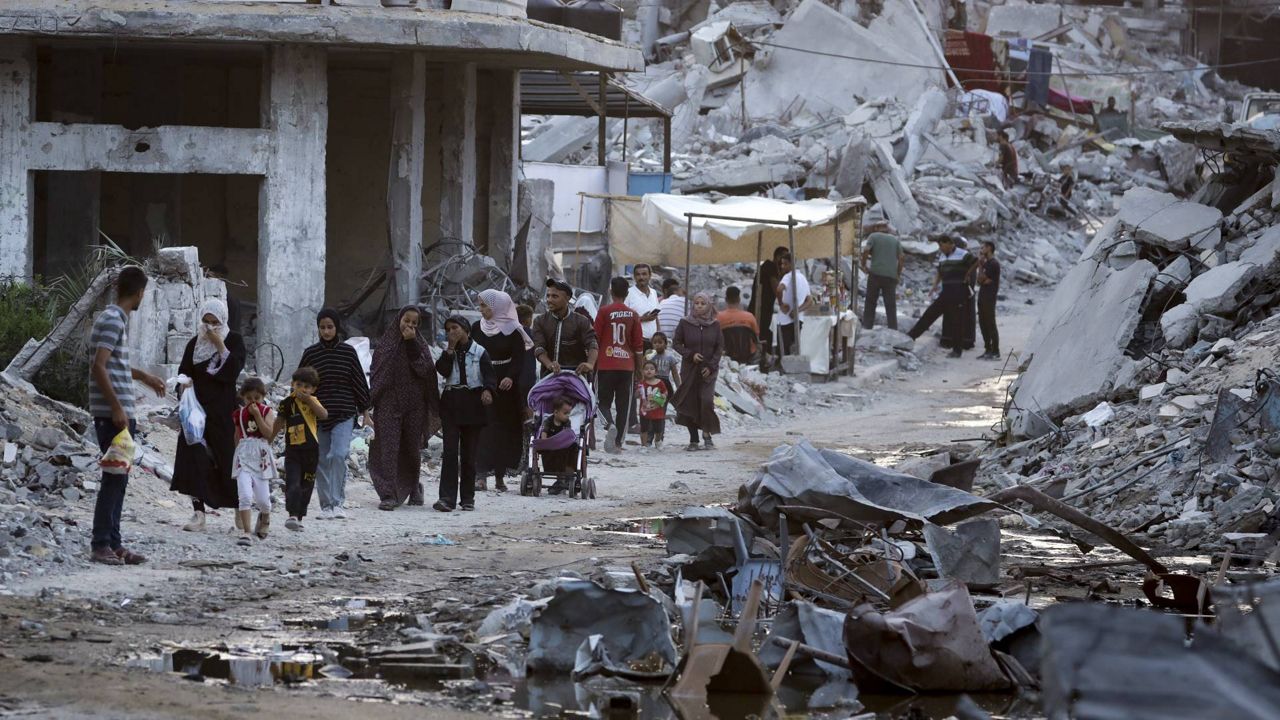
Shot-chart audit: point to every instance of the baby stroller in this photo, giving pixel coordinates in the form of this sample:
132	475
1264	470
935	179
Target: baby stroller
542	399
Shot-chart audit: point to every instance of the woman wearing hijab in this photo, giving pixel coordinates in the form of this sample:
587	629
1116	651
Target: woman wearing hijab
213	360
700	346
344	393
406	402
505	341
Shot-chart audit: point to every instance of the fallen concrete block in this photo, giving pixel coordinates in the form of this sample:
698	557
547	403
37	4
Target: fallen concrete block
1169	410
1180	325
1151	391
882	339
1023	21
892	190
1190	402
1222	289
786	83
1162	219
1265	252
1078	348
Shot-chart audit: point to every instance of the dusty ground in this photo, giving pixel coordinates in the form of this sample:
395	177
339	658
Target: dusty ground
65	637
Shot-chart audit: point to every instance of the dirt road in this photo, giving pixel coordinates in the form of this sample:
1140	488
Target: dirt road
66	636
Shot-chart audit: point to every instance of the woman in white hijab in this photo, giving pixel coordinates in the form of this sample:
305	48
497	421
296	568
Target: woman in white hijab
213	360
502	336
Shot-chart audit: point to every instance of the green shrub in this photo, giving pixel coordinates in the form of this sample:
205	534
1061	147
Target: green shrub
26	311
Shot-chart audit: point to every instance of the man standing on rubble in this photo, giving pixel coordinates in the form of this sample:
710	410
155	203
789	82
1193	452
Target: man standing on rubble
882	260
563	339
111	405
1008	161
953	266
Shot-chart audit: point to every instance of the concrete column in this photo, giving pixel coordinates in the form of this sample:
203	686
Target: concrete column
405	174
291	206
17	184
71	217
458	148
504	164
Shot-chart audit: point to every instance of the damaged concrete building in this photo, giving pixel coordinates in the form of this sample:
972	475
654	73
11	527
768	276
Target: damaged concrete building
304	148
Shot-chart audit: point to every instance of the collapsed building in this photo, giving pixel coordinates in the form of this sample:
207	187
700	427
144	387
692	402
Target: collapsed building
302	148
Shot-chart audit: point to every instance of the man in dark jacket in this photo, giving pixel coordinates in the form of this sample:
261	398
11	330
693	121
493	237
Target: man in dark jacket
563	339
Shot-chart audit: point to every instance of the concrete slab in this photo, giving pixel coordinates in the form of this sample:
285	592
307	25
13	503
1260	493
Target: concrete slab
452	36
1022	20
1180	325
1162	219
1221	289
1078	351
1151	391
773	88
1265	252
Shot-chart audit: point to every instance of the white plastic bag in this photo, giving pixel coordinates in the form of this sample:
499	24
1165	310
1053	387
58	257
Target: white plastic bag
190	413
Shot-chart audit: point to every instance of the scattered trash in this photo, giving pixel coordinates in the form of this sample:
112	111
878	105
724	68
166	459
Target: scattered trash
931	644
636	630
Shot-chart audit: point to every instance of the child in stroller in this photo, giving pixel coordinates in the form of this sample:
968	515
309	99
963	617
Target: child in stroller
563	459
565	408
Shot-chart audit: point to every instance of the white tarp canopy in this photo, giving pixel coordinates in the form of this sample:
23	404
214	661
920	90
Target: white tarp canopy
654	229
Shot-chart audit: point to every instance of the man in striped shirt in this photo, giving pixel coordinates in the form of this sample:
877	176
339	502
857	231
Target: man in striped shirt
111	404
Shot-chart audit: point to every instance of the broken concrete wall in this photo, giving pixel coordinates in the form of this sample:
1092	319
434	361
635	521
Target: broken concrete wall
1077	352
161	327
784	84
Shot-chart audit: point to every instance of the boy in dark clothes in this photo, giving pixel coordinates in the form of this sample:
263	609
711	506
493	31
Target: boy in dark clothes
988	269
298	417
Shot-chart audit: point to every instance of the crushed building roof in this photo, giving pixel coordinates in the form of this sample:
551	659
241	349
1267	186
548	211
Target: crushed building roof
547	92
1229	137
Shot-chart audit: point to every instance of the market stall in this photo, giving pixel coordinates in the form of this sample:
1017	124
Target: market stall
682	231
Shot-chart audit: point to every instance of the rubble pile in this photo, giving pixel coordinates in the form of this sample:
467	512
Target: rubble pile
751	115
1167	328
46	468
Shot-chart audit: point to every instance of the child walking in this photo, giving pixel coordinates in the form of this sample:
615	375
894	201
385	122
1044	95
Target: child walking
254	465
665	360
652	392
298	418
468	391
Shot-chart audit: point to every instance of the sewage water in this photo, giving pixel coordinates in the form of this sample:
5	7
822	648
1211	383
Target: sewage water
344	651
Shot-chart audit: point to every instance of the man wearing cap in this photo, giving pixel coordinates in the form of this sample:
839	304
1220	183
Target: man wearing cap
882	259
563	339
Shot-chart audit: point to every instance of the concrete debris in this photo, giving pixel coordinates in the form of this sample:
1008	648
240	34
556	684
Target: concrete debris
1161	219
